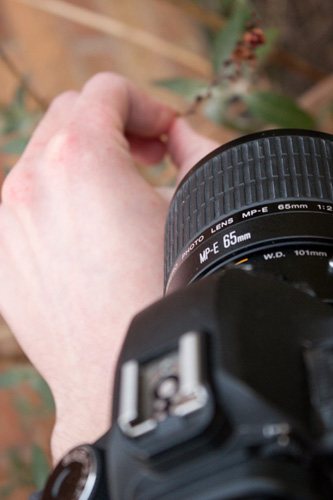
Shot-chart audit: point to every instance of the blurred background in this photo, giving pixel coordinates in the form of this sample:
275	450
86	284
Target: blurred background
230	66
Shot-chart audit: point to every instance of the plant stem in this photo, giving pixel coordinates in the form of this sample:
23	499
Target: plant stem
22	80
123	31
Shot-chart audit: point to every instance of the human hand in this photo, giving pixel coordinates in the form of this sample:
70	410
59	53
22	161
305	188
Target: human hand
81	241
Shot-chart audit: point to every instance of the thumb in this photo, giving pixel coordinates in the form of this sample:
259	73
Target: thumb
186	147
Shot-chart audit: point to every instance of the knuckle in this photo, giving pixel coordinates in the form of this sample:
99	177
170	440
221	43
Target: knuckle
61	157
63	148
115	83
63	100
18	187
110	108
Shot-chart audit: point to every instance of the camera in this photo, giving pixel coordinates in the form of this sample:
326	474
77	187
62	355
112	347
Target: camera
224	388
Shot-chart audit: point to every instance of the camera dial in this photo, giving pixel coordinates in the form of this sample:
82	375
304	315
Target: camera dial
75	477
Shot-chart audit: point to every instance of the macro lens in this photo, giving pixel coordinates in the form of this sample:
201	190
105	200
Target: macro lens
263	202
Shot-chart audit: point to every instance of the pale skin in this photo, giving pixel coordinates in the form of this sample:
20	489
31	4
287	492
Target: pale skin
81	241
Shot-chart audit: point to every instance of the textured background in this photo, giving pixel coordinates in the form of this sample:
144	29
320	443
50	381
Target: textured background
59	54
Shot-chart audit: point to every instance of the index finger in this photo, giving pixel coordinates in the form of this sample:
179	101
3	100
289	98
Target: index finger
109	102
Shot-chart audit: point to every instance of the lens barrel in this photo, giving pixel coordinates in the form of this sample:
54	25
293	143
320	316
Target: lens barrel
267	192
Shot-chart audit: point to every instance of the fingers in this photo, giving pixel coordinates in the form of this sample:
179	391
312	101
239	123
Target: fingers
109	102
55	119
109	110
146	151
186	147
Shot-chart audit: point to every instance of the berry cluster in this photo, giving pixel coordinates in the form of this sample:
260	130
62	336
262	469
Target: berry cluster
246	47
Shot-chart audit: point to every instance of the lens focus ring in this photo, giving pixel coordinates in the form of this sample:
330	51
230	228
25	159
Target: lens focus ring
265	167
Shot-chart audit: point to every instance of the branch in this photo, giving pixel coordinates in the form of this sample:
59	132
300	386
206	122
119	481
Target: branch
200	14
280	57
22	80
121	30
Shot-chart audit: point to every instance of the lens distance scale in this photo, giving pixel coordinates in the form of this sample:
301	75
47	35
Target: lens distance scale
260	190
239	235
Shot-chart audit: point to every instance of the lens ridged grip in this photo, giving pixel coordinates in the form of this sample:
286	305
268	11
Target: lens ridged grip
269	166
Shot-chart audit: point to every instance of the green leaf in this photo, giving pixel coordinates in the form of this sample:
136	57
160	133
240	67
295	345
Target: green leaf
15	146
15	117
15	376
277	109
39	467
23	406
6	490
186	87
19	96
12	377
216	107
265	50
230	34
41	387
19	471
226	6
19	468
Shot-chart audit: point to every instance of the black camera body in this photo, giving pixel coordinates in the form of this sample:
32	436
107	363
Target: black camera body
265	427
224	388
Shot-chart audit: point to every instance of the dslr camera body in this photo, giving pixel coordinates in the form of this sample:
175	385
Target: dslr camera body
224	388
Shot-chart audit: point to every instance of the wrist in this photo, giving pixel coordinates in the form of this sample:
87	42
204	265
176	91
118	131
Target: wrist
72	430
81	419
